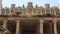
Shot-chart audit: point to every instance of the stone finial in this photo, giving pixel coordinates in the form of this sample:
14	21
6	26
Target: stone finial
29	2
12	5
47	6
30	5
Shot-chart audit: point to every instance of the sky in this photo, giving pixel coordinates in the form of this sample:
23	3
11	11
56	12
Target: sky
7	3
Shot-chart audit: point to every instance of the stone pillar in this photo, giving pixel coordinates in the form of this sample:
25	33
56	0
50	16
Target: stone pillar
17	26
41	26
55	26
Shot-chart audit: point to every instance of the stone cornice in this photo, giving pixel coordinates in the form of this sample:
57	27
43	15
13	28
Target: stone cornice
22	18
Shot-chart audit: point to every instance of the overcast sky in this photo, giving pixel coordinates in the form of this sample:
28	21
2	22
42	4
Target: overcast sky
25	2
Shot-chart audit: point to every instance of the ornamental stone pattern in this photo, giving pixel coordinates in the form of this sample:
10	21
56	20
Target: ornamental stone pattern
24	20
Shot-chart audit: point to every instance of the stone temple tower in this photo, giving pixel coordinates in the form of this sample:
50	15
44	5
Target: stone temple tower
30	9
12	9
0	6
47	8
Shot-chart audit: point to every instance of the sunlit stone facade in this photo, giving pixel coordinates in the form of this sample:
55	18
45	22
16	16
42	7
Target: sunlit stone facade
29	10
23	20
